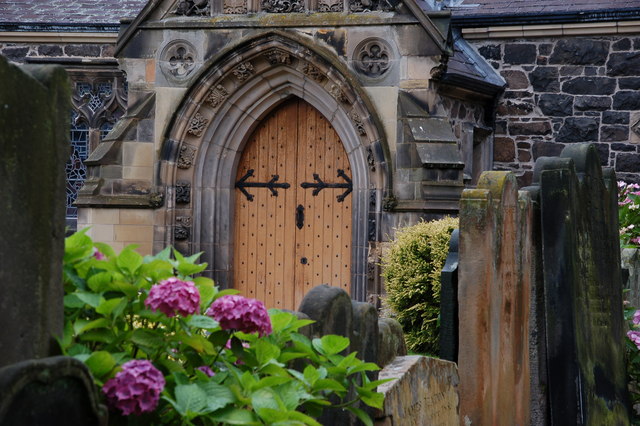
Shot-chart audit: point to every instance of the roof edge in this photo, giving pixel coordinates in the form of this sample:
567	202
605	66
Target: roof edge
486	20
58	27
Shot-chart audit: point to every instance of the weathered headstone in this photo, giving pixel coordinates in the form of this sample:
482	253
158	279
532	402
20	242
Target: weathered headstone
449	302
55	391
631	264
390	341
364	332
582	289
34	132
330	308
425	393
495	277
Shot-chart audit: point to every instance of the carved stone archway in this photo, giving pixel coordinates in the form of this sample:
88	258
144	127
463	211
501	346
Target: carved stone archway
204	144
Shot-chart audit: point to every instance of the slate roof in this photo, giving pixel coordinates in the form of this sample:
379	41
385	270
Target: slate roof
514	7
66	12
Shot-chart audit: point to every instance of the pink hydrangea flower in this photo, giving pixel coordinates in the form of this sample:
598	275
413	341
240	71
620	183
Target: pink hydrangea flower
206	370
98	254
636	317
235	312
135	389
173	296
634	336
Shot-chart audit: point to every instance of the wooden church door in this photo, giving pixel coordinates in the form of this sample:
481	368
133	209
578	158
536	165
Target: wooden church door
292	208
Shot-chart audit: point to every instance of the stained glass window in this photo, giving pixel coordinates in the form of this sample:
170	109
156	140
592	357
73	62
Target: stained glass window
104	129
76	170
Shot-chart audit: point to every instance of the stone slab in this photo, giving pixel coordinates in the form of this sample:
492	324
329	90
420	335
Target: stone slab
449	302
424	392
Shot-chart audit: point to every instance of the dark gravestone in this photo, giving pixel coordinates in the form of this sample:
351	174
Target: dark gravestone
449	302
54	391
364	332
34	145
582	289
390	341
330	308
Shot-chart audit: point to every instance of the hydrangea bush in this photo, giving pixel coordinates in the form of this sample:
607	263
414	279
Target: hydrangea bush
629	214
170	348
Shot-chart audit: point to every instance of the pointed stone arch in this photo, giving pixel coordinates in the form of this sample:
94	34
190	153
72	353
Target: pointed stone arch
208	133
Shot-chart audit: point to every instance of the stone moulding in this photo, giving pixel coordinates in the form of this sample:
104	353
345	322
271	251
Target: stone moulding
230	97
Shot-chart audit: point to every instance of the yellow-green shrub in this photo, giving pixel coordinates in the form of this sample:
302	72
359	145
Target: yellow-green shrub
411	271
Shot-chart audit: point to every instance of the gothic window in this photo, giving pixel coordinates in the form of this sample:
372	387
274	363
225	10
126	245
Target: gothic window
76	170
99	100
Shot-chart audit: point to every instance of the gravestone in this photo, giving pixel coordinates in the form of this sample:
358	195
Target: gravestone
495	278
449	302
56	391
390	341
34	146
580	255
424	392
631	280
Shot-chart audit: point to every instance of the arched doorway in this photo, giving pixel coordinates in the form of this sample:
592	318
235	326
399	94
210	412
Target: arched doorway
293	202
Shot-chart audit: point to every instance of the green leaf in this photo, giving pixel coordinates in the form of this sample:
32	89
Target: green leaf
371	398
108	306
100	363
264	398
228	291
147	338
207	290
301	417
72	301
235	416
72	277
271	416
81	326
77	246
218	396
91	299
190	399
266	351
361	414
203	321
365	366
311	374
103	335
197	342
105	249
291	393
329	384
129	261
271	381
99	282
171	365
330	344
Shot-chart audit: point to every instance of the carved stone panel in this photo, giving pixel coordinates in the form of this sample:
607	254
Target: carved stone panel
217	95
243	71
197	124
277	56
185	158
182	230
330	6
357	122
373	57
183	192
313	72
178	60
234	7
283	6
338	94
192	8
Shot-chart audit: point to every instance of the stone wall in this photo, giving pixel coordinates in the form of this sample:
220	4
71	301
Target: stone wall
561	91
22	52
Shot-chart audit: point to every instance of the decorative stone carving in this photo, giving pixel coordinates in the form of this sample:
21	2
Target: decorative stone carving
389	203
192	7
338	94
277	56
185	158
197	124
182	230
371	161
243	71
234	7
438	71
313	72
217	95
635	128
357	121
178	60
369	5
282	6
373	57
156	199
330	6
183	192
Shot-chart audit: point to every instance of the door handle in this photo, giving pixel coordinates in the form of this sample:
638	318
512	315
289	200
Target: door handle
300	216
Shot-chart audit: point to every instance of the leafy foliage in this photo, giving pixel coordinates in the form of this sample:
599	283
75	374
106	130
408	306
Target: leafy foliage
629	214
213	375
411	270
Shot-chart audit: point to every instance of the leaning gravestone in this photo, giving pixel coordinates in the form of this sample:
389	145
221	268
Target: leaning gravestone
34	145
582	289
34	134
449	302
495	279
